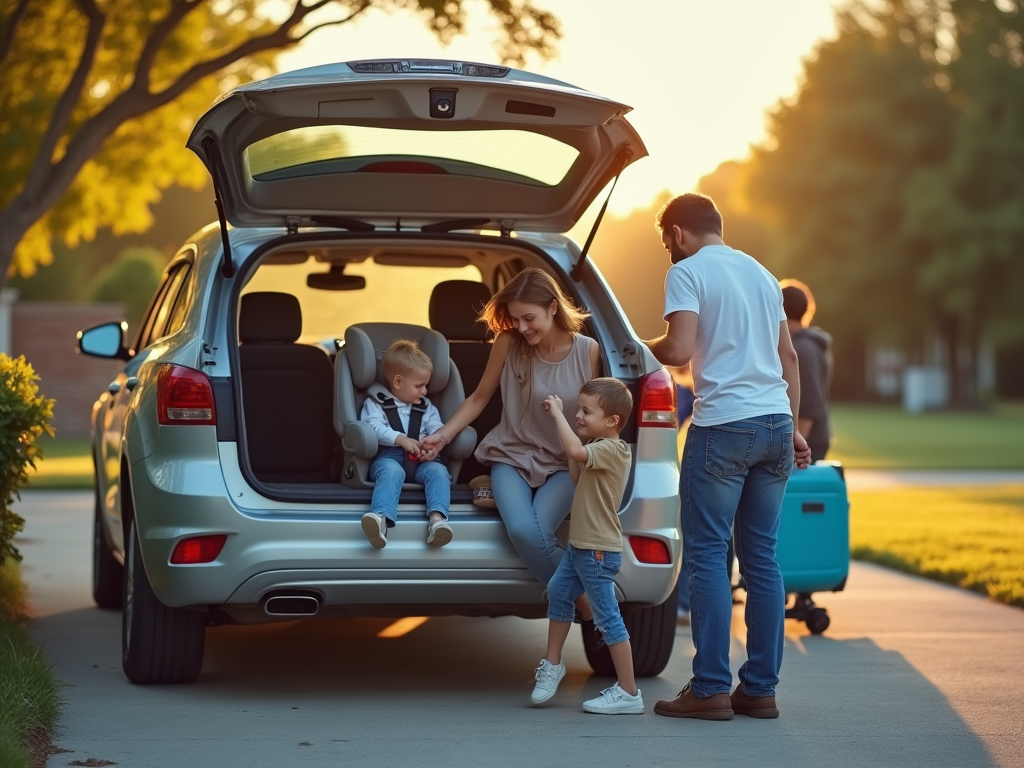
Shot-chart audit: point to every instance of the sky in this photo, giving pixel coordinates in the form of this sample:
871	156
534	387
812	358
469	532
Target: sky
699	74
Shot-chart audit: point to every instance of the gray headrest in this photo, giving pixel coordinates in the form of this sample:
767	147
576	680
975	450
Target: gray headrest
269	316
366	343
454	307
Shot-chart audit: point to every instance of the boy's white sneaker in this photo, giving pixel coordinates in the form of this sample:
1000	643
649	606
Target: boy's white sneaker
439	533
376	529
615	701
548	677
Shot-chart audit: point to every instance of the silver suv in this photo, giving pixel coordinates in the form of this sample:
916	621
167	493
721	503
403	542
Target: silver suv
393	197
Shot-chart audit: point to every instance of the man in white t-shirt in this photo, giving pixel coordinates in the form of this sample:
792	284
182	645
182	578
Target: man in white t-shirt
725	318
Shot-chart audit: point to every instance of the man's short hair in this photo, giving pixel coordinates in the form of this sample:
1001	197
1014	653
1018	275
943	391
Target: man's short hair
613	397
403	358
797	301
694	212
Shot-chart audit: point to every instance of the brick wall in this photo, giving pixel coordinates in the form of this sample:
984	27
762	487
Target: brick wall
44	332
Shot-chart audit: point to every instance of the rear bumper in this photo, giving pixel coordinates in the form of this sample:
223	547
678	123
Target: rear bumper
273	547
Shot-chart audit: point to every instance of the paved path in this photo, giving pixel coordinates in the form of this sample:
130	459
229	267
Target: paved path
910	674
883	479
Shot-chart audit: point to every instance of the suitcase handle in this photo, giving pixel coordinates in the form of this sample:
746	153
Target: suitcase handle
813	506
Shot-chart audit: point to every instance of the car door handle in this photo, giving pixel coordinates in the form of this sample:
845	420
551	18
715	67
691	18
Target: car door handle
114	387
131	383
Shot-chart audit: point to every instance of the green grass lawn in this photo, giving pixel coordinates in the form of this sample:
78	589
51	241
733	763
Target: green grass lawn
971	537
66	463
29	703
886	437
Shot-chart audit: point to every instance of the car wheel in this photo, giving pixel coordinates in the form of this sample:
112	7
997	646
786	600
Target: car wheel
107	572
652	632
158	644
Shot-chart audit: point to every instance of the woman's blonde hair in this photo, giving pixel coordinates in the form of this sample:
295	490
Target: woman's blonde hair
536	287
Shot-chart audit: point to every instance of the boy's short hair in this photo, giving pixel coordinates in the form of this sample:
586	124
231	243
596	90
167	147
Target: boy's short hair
797	301
613	397
402	358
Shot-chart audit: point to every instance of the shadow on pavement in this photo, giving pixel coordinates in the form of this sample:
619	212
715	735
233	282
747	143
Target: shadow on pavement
454	692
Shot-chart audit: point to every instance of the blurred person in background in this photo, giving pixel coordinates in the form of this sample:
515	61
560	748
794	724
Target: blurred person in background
814	350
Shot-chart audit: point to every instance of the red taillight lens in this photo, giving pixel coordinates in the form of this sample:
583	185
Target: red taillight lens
201	549
652	551
184	396
657	400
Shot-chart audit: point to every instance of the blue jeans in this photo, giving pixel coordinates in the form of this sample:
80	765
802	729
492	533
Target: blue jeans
733	478
531	516
388	473
593	572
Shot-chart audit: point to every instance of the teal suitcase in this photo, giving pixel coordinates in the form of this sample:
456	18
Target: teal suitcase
814	540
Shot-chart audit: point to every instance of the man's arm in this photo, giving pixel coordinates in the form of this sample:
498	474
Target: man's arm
791	375
676	346
805	425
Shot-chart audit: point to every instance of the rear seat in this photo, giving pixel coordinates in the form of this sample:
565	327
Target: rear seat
454	308
287	394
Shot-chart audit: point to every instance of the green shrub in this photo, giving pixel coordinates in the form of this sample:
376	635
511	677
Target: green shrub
24	416
132	279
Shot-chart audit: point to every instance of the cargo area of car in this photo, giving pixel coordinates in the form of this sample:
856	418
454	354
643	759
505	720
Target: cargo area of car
293	311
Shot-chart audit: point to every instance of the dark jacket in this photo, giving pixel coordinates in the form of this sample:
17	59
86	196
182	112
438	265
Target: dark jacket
814	350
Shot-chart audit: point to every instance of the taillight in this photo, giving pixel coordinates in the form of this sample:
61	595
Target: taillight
657	400
201	549
647	550
184	396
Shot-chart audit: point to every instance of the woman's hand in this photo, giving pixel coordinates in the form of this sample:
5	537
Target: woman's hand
434	443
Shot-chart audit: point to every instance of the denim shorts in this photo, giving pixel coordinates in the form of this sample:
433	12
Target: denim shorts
593	572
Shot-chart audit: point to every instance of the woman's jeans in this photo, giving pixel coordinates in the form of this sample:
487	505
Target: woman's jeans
532	516
733	479
593	572
388	473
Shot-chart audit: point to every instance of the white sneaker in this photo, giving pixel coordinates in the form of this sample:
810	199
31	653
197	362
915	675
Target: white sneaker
439	533
376	529
615	701
548	677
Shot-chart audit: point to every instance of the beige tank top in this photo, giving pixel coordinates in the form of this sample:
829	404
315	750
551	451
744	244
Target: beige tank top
525	437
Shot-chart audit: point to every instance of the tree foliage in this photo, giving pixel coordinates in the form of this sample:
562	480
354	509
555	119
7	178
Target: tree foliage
895	181
131	279
97	97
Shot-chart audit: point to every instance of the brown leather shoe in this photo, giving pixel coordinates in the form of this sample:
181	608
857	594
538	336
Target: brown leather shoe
761	706
717	707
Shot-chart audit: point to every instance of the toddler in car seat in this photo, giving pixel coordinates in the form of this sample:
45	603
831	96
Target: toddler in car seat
401	415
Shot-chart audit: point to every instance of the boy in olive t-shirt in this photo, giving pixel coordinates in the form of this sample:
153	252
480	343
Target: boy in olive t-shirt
599	469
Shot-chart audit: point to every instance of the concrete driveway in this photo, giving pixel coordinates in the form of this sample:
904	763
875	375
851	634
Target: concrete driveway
911	673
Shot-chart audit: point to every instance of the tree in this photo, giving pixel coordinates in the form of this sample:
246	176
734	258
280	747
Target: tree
832	181
97	97
131	279
967	214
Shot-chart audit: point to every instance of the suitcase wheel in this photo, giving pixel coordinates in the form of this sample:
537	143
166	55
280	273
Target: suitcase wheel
817	620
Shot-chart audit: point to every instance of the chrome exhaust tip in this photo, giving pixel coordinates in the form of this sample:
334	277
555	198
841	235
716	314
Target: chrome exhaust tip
291	605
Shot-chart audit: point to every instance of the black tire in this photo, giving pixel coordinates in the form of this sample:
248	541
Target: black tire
817	621
107	572
158	644
652	632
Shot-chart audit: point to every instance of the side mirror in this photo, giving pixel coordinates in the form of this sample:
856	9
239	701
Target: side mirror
107	340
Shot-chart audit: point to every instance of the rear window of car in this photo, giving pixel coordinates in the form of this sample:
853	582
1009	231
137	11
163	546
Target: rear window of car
506	155
393	293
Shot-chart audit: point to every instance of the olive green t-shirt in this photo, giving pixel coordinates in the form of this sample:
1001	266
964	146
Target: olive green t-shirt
595	507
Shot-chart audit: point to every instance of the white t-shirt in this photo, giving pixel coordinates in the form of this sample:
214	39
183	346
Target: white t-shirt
737	373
